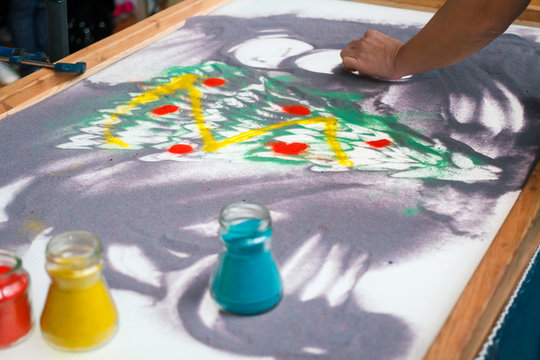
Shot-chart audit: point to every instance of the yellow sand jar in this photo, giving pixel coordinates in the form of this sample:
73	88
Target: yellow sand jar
79	313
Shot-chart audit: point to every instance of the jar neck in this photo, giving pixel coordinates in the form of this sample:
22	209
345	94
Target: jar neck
74	279
245	228
249	246
10	263
13	278
74	259
244	218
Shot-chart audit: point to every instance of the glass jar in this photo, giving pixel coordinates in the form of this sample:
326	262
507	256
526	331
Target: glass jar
246	279
79	312
15	306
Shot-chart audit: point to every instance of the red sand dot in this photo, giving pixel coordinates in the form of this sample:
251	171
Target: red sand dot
282	147
379	143
214	82
297	110
180	149
165	109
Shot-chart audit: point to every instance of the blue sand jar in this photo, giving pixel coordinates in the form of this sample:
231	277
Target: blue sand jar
246	279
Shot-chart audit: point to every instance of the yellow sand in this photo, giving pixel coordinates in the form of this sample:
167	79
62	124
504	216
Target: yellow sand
79	313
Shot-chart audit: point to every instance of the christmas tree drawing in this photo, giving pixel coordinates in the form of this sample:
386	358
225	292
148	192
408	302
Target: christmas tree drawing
217	111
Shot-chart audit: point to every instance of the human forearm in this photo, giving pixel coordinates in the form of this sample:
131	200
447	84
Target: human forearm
458	30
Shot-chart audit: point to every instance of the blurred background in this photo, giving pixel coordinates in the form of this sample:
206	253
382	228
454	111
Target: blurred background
23	24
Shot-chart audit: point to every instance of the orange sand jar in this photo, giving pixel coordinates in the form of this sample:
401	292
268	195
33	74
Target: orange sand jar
79	313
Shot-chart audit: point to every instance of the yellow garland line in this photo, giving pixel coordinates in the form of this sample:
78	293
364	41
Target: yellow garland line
178	83
187	82
331	139
109	137
330	136
196	109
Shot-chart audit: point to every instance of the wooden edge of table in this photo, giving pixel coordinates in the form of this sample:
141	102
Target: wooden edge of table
495	279
529	17
44	82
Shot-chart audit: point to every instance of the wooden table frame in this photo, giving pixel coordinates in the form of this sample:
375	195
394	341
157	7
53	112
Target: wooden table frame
501	268
529	17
